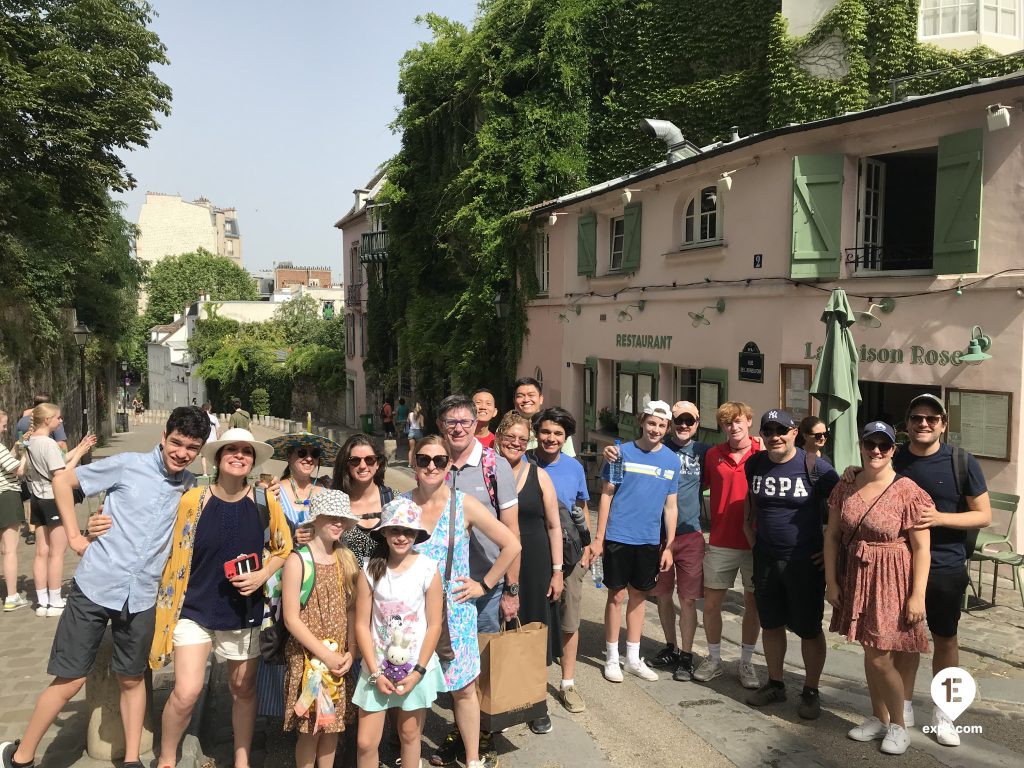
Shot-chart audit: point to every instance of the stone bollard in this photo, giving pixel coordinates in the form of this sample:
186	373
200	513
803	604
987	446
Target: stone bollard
390	450
105	735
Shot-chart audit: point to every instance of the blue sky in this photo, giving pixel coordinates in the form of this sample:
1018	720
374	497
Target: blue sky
280	109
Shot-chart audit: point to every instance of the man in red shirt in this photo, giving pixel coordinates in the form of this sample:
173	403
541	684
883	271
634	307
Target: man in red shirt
728	550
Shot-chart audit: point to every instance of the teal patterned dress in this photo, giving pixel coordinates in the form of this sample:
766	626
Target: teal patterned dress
465	667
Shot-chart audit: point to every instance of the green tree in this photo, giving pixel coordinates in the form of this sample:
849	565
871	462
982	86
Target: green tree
299	320
176	281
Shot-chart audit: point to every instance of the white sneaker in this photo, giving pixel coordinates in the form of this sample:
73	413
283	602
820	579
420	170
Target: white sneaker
945	731
613	671
908	715
14	602
708	670
748	676
41	611
641	670
869	730
53	611
896	740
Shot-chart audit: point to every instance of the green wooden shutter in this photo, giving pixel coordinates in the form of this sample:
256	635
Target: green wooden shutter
958	202
586	245
590	408
710	431
817	215
632	218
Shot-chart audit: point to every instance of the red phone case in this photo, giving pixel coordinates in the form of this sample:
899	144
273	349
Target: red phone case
231	566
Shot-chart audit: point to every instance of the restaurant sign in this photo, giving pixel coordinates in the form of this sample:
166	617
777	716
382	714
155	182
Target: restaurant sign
643	341
894	355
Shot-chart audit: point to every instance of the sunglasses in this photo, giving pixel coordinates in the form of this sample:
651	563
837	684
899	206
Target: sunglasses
818	435
304	453
776	431
423	461
684	420
880	445
932	419
355	461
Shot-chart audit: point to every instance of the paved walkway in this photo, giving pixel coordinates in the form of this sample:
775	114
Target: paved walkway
635	723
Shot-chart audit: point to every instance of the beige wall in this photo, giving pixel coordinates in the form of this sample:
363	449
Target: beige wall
351	236
169	226
782	318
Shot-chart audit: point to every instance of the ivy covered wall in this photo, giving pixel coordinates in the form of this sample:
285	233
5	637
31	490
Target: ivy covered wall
542	98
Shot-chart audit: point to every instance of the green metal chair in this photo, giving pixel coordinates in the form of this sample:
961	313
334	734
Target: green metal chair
997	548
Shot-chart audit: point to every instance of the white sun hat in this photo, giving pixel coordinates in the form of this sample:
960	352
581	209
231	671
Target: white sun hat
262	450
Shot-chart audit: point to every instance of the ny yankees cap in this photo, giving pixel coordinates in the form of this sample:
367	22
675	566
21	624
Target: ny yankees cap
776	416
878	428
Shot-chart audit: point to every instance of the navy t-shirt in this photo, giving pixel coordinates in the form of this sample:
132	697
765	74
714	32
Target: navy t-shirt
226	530
788	507
691	470
936	477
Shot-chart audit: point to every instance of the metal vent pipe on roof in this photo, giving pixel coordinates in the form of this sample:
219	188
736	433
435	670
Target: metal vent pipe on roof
678	147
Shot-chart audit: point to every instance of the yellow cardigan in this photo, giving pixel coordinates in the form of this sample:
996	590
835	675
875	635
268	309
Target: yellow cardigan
174	581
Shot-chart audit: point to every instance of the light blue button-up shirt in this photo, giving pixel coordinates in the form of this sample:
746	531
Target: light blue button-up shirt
125	564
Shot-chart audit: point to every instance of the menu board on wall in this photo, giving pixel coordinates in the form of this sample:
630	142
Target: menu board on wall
795	396
979	422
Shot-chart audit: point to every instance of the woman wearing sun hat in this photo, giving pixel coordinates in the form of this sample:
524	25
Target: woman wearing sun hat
198	607
305	453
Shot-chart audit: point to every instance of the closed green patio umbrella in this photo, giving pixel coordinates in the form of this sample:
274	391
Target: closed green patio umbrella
835	381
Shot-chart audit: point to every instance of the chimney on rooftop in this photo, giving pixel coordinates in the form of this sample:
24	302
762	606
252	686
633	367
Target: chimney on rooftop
361	195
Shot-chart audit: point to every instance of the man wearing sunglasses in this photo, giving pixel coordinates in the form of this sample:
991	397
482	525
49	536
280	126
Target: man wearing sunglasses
783	524
961	508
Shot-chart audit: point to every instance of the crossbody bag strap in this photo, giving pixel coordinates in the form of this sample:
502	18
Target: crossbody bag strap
863	517
451	538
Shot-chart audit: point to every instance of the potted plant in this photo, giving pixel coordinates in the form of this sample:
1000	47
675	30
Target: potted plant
608	421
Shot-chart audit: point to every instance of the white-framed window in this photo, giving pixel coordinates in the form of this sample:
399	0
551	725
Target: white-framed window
617	235
702	222
353	264
542	261
1000	16
949	17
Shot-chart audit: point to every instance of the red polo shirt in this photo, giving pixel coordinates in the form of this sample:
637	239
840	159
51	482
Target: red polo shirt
727	481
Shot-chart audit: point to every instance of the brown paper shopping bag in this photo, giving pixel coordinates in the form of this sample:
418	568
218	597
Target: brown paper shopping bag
513	680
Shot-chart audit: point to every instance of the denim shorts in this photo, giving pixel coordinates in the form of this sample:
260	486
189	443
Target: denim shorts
488	611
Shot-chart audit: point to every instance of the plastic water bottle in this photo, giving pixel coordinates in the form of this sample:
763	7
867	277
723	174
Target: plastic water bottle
618	468
597	570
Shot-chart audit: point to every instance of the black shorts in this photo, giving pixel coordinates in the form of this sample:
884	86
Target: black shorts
942	600
632	564
789	593
81	629
44	512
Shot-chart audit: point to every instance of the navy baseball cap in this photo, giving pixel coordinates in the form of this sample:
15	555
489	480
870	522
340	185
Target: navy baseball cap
782	418
878	428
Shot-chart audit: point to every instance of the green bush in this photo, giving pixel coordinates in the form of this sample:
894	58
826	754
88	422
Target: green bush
260	400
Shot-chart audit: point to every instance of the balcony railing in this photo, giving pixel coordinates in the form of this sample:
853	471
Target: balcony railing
876	258
354	295
374	247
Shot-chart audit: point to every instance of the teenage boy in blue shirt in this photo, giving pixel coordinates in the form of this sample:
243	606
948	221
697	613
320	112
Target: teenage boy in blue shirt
117	579
629	535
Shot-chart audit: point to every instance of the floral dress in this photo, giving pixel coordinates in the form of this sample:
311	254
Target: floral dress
879	575
465	667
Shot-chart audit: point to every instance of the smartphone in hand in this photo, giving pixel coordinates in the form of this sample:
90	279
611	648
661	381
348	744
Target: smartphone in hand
241	565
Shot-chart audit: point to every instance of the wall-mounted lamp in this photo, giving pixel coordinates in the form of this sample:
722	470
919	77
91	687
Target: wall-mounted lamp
624	314
627	195
725	182
700	319
868	319
575	309
960	286
998	117
977	347
553	218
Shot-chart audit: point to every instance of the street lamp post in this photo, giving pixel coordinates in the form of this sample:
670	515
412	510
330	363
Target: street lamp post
125	381
82	334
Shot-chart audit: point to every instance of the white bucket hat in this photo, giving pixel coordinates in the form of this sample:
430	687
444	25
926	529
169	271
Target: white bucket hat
330	503
262	450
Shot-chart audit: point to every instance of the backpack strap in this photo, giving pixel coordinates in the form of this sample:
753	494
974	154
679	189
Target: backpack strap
489	464
959	457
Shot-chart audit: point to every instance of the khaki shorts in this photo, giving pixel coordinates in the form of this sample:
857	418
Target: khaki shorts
229	644
572	598
721	565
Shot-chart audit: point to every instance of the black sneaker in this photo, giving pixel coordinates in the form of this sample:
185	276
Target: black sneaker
7	750
769	693
667	658
541	725
450	750
684	669
810	704
488	754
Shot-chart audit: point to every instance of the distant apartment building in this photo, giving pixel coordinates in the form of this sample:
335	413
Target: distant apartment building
951	24
169	226
287	275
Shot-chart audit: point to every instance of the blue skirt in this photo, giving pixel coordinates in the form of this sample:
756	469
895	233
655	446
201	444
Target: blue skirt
369	698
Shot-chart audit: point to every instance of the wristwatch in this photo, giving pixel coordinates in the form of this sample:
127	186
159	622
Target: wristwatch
511	589
420	668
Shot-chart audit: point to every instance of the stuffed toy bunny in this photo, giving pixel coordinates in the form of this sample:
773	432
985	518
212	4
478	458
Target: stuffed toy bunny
396	665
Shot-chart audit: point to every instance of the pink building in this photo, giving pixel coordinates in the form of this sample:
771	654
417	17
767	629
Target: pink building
704	278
